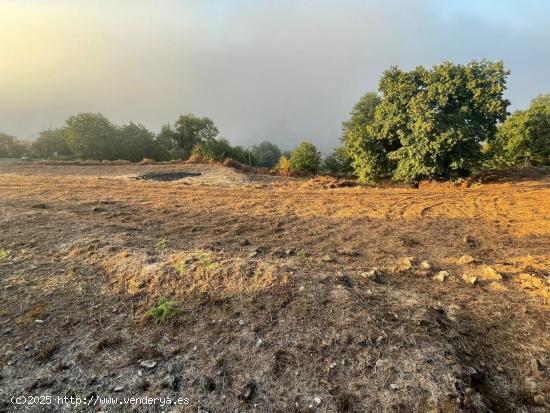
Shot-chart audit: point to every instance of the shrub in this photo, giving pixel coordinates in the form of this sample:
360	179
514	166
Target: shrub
265	154
283	166
305	159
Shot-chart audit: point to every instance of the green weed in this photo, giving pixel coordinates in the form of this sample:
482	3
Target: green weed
164	310
161	244
205	261
4	254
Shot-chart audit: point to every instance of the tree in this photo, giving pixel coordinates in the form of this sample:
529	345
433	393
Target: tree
362	143
51	141
430	123
189	130
136	142
338	162
305	159
265	154
217	150
525	135
92	136
10	147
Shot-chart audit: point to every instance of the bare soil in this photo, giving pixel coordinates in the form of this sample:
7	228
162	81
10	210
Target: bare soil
292	294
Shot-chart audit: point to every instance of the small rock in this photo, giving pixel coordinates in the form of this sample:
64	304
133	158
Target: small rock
406	263
249	390
140	373
317	401
539	399
373	275
333	365
327	258
426	265
465	259
258	343
98	209
38	321
245	242
242	322
170	382
301	288
394	386
500	369
441	275
489	273
290	252
118	388
469	278
148	364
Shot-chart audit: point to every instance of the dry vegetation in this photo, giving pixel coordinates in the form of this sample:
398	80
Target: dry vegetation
291	295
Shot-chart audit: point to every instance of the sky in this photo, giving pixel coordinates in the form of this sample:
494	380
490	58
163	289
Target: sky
283	71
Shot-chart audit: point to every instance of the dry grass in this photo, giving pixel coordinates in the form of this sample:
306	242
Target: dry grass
271	310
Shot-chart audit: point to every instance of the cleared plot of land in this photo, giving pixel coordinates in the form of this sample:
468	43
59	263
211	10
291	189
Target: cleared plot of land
279	306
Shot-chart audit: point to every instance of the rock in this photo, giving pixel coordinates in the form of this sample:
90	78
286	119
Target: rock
245	242
98	209
500	369
290	252
301	288
148	364
258	343
489	273
466	259
539	399
249	390
170	382
38	321
350	252
373	275
394	386
327	258
469	278
406	263
470	241
242	322
118	388
333	365
426	265
441	275
317	401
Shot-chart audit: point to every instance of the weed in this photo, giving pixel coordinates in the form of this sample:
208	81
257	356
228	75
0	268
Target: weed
4	254
164	310
205	261
161	244
181	267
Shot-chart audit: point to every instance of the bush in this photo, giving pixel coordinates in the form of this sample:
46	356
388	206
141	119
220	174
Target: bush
305	159
10	147
282	166
338	163
524	136
51	141
217	150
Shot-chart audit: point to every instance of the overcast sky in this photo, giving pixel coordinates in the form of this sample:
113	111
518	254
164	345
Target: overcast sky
284	71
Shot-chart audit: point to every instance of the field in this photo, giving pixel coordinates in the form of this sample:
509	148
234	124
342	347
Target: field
289	294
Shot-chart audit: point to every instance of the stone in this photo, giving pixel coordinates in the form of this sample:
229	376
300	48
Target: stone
426	265
148	364
245	242
469	278
327	258
38	321
539	399
242	322
118	388
466	259
441	275
170	382
489	273
406	263
317	401
394	386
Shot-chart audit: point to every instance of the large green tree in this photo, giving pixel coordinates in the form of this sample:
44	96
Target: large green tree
429	123
265	154
136	142
51	142
187	131
525	135
92	136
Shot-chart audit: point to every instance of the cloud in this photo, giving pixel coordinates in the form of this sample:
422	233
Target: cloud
284	71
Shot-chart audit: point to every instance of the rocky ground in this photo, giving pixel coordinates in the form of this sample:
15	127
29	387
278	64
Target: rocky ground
282	294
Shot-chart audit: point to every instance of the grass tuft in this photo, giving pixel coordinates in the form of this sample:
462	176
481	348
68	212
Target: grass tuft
164	310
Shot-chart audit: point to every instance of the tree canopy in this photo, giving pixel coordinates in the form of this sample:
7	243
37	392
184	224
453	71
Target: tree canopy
305	159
